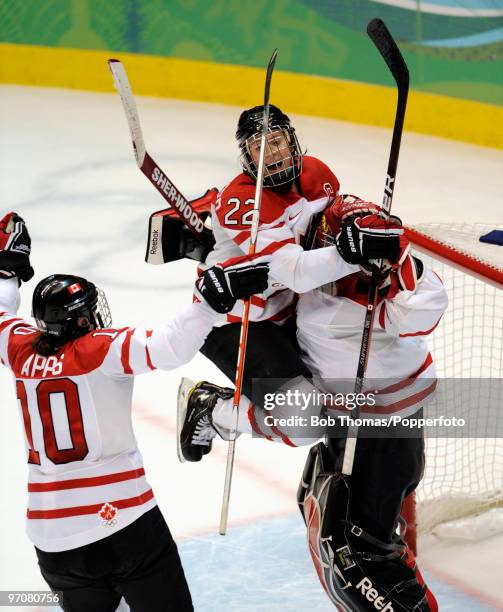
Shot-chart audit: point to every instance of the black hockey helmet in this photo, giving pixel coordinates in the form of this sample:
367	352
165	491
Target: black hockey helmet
249	132
66	307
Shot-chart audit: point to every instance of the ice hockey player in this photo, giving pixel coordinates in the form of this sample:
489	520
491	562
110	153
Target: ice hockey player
297	188
352	521
92	516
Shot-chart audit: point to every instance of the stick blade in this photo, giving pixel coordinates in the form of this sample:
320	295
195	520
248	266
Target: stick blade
123	87
387	47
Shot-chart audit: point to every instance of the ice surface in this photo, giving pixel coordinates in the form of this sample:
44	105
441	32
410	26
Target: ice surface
66	165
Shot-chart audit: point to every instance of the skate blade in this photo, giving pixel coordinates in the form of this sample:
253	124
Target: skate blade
185	387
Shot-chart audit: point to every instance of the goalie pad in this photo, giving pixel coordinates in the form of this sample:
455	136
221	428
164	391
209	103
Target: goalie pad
358	572
170	239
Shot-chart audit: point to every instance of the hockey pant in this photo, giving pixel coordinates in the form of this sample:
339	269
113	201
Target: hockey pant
278	397
139	563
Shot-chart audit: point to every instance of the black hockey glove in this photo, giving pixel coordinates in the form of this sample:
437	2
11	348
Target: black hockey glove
362	239
15	248
221	287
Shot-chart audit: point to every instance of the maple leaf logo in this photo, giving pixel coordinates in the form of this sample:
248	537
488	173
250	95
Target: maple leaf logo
108	514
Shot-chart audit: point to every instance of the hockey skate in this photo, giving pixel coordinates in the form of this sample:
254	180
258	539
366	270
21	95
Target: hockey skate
195	430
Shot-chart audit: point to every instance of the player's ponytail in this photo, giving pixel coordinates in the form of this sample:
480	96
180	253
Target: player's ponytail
45	345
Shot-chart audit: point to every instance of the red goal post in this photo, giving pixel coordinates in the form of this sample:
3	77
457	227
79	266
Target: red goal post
463	477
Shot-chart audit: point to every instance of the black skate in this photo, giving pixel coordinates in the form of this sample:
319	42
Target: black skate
195	430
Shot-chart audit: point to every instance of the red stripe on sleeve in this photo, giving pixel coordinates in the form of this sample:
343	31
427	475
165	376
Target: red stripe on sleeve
8	322
284	438
408	381
258	301
404	403
268	250
254	424
421	333
233	319
275	246
382	315
284	313
149	361
242	237
125	352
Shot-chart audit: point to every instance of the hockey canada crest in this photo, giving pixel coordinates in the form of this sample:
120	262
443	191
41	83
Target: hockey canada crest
109	514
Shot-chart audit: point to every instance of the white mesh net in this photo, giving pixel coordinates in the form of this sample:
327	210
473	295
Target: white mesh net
464	477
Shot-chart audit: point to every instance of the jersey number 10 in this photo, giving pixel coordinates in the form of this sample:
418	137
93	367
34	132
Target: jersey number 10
70	393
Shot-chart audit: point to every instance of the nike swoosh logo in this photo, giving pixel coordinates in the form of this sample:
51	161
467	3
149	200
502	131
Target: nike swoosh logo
294	216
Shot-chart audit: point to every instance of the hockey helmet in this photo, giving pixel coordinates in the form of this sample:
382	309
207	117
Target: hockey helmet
287	164
66	307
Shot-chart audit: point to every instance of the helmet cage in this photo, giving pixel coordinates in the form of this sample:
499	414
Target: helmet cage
102	314
289	161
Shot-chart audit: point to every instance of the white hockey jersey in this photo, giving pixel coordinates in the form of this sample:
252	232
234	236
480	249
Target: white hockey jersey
400	367
284	222
86	476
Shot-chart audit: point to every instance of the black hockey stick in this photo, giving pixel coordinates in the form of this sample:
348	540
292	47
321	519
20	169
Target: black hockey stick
246	308
387	47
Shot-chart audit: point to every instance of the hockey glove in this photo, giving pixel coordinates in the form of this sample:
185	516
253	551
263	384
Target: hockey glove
363	239
403	275
221	287
15	248
346	205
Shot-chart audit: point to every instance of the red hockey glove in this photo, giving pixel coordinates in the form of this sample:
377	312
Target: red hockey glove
343	207
15	248
222	286
346	205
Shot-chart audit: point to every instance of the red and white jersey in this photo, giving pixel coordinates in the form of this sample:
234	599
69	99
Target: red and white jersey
86	477
284	221
330	324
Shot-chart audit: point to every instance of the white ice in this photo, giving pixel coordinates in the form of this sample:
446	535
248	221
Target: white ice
66	165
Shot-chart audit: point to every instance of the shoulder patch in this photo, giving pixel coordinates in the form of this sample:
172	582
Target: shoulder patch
317	179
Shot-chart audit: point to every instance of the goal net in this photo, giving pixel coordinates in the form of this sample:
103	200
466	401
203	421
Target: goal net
463	476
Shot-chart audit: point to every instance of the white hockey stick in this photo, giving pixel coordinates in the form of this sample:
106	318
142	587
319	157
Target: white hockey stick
149	167
246	307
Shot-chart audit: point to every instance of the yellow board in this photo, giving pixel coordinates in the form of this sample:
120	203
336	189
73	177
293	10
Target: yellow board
432	114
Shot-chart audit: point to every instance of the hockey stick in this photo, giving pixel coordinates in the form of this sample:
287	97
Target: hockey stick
246	307
147	165
387	47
